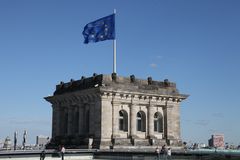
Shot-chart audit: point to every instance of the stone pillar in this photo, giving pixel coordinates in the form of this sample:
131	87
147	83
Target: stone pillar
62	121
150	121
70	120
133	115
91	119
54	122
76	120
65	117
115	119
81	120
106	122
173	122
97	119
106	119
86	120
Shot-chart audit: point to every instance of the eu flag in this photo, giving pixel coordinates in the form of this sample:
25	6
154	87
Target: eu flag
100	30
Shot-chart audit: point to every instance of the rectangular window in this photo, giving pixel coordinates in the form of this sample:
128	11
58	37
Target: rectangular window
139	125
155	126
125	126
121	124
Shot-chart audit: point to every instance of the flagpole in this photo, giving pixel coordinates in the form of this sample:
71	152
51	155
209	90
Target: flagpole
115	49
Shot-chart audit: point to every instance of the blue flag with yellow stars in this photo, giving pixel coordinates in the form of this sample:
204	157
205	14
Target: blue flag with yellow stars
100	30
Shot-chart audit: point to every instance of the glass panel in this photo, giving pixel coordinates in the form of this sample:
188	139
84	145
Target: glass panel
139	125
125	122
121	124
143	123
160	125
155	125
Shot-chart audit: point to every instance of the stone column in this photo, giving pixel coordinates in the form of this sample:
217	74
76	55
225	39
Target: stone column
86	120
91	119
106	122
97	119
59	119
133	120
62	119
150	121
173	122
70	120
81	120
114	119
65	129
54	118
106	119
76	120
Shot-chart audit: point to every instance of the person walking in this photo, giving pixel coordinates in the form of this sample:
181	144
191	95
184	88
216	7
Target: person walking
169	153
158	153
163	152
42	155
62	152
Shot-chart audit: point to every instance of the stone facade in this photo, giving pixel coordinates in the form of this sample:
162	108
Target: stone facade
109	111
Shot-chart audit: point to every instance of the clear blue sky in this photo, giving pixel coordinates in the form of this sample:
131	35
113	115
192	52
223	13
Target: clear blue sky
195	43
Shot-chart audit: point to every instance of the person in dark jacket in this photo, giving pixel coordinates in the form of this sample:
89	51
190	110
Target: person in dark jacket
42	155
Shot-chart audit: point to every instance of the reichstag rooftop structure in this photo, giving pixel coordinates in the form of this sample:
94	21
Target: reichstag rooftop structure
110	111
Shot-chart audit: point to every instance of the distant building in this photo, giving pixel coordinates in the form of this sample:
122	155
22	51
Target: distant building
202	145
42	140
7	144
1	143
217	140
110	111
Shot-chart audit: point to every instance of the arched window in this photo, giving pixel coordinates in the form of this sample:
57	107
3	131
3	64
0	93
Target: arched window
158	122
141	121
123	120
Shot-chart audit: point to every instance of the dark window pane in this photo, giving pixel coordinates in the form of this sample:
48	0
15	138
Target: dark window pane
155	125
121	124
139	125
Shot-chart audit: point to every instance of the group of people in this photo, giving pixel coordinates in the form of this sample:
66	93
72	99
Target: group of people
61	151
164	153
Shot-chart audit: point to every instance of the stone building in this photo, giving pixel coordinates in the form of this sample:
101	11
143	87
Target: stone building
110	111
216	141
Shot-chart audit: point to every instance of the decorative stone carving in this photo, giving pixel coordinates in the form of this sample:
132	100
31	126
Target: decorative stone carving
149	80
114	76
132	78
